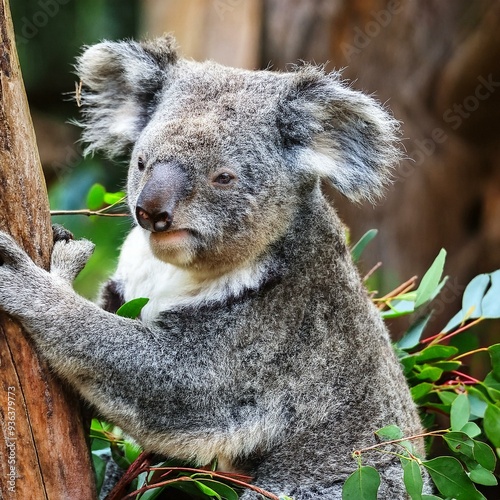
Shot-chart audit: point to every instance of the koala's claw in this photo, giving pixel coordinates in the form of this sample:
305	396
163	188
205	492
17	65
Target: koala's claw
60	233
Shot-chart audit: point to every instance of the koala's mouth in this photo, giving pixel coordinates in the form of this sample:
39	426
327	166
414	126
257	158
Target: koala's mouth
172	236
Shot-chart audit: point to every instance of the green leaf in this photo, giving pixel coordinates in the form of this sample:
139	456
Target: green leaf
491	424
421	390
458	319
223	490
473	295
206	490
482	476
490	304
471	429
451	479
95	197
99	470
491	385
431	373
408	363
431	497
112	198
152	494
478	402
448	366
362	484
436	352
413	479
431	280
460	412
484	455
132	309
459	442
360	246
398	308
412	336
494	351
389	432
447	397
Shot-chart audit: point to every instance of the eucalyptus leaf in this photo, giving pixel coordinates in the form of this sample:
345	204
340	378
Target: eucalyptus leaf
95	197
436	352
460	412
491	302
431	373
360	246
132	309
458	319
494	351
477	403
460	442
99	470
484	455
420	390
482	476
473	295
221	489
398	308
451	480
491	424
413	481
362	484
431	280
389	432
112	198
206	490
447	397
471	429
412	336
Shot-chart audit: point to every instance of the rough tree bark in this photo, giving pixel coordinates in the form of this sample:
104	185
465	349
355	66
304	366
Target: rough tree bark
43	451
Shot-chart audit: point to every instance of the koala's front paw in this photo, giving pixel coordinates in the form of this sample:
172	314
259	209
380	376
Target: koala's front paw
69	256
17	272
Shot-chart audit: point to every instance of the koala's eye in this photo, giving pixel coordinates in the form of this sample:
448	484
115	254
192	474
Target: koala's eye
223	178
140	164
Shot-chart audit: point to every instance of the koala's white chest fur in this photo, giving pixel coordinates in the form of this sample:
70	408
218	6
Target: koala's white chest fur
166	286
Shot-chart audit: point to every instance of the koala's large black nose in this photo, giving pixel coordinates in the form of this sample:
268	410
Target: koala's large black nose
153	222
166	186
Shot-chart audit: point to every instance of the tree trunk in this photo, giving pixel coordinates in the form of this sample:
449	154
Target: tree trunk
44	453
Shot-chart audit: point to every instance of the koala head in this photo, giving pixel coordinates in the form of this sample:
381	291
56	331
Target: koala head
222	159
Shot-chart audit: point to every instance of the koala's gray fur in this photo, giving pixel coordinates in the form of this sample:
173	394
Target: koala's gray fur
259	346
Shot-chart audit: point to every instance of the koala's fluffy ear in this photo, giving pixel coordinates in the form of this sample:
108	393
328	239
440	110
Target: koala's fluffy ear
341	135
120	81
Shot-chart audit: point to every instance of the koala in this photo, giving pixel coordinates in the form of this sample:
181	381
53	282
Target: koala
259	347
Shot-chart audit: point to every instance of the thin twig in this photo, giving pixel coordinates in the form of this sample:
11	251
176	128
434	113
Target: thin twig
86	212
372	270
444	335
403	288
400	440
219	475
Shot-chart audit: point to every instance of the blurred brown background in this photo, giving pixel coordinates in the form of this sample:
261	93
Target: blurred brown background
435	63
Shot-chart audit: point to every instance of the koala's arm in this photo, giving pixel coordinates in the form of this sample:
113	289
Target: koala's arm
112	361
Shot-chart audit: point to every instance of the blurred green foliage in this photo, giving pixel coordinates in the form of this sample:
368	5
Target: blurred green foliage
49	35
